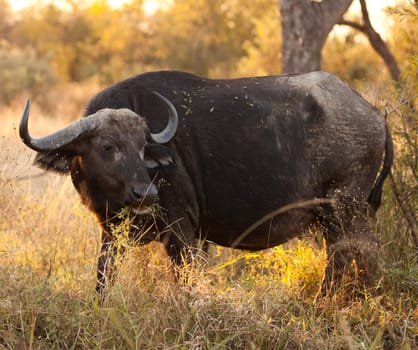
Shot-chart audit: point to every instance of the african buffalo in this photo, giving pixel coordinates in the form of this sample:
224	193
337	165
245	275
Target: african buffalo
306	148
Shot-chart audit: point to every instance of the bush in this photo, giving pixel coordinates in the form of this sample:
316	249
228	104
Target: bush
23	71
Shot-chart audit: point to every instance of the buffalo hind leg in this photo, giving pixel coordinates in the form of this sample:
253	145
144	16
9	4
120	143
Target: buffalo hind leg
351	247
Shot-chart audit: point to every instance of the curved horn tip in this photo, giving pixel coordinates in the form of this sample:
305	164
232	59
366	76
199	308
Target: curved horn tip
173	120
27	108
23	126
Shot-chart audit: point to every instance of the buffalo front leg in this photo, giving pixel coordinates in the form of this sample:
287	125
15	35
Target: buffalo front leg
180	246
106	262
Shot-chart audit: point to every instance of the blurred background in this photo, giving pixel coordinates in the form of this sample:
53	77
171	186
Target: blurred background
64	51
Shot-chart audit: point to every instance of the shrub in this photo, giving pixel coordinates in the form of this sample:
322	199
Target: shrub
23	71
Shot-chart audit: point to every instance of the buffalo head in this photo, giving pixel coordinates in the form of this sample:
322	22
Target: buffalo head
108	154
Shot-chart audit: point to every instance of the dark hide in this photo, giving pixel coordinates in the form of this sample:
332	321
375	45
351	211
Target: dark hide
243	149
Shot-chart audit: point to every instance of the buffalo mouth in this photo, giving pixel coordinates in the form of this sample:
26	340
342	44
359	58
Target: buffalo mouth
140	221
142	211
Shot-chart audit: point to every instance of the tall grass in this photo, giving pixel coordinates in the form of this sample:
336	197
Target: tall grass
232	299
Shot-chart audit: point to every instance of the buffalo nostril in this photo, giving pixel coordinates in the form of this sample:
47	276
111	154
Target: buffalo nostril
145	194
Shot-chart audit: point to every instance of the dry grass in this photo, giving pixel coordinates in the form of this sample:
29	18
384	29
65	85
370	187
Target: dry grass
233	300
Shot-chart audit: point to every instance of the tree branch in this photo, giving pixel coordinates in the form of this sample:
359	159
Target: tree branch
353	24
375	40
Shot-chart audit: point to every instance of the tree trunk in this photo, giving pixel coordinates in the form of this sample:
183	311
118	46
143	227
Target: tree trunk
305	27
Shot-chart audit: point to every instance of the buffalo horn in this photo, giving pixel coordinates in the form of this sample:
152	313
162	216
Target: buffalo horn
173	121
61	137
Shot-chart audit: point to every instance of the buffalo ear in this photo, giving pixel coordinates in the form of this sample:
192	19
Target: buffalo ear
156	155
58	161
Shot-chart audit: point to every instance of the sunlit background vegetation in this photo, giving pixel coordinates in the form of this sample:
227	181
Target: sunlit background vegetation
45	45
60	54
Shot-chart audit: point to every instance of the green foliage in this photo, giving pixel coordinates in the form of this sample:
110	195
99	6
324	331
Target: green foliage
350	57
23	71
214	38
91	38
404	36
263	49
204	36
5	18
87	40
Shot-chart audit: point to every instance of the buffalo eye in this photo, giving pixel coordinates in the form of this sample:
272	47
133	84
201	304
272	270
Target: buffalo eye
107	147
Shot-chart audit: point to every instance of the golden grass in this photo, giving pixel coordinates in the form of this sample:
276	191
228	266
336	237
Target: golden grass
232	299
